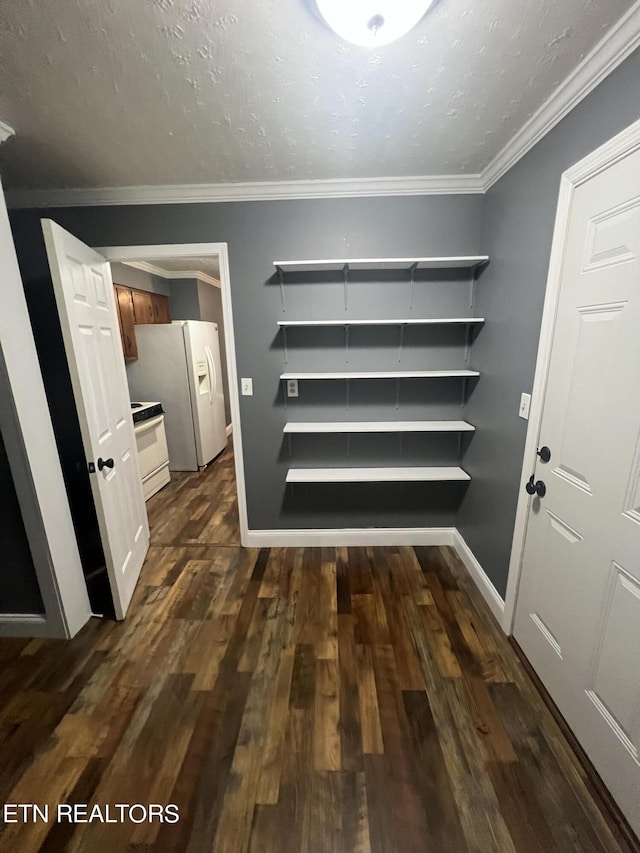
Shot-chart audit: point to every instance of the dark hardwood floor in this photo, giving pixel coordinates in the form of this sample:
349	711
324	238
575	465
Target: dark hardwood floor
334	699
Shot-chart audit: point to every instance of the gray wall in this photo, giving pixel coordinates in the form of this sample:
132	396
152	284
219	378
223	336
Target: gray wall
19	590
257	233
210	298
183	299
517	231
139	279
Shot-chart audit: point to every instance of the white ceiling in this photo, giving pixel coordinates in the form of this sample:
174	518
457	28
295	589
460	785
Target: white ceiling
110	93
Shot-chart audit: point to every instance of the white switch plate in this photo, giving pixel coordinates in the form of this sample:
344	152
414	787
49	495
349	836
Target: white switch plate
246	386
525	405
292	388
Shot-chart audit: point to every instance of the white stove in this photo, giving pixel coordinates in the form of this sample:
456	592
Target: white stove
151	441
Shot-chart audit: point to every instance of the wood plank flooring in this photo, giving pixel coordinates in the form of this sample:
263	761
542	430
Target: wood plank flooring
356	700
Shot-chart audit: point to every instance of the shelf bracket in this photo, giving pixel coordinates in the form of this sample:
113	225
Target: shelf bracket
402	327
281	278
290	445
463	400
397	393
346	343
412	270
472	289
283	382
284	341
347	393
467	343
345	272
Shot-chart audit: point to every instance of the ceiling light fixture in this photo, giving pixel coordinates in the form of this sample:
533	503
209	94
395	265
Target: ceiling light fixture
371	23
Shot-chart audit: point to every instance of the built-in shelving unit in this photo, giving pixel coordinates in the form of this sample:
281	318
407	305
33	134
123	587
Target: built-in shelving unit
333	427
406	269
377	475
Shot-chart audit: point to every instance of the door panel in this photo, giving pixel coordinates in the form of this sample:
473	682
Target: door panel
88	318
578	608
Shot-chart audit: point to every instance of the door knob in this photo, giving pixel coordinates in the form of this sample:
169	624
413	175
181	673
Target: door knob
538	488
544	453
105	463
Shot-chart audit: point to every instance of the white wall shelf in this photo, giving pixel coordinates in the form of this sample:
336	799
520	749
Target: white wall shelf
443	321
377	475
384	374
337	264
376	426
408	265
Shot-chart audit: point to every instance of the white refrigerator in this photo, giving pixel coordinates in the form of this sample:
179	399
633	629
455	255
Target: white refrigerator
179	365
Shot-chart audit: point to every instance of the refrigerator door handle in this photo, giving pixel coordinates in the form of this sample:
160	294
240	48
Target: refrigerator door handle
212	372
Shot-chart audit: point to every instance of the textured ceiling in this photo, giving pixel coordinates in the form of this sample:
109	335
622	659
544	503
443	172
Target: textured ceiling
132	92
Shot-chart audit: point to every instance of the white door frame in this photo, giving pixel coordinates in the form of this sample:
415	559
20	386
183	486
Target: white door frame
190	250
623	144
35	466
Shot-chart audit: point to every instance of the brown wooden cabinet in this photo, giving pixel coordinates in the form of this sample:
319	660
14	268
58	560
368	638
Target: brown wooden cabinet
124	300
136	307
143	306
161	313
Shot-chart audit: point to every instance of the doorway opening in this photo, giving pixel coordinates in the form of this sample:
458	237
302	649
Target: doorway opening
188	286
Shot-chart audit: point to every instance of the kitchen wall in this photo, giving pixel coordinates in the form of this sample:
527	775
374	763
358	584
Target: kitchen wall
184	302
139	279
517	231
256	234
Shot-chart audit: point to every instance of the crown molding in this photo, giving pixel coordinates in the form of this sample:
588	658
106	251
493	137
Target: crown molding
617	44
5	131
146	266
251	191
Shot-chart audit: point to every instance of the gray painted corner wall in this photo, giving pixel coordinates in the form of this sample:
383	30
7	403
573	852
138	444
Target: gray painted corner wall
210	298
19	589
517	232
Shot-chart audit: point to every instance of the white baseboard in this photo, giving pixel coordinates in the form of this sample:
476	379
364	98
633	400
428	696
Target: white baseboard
24	625
229	429
479	577
357	536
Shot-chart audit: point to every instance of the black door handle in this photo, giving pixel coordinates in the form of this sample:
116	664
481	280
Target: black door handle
544	453
538	488
105	463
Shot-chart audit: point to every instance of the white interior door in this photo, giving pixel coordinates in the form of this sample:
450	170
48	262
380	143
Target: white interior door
86	305
578	608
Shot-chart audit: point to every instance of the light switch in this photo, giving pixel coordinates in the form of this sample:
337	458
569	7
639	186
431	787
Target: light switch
525	404
292	388
246	386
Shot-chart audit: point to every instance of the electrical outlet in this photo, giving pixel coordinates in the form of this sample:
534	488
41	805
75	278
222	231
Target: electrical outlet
246	386
525	404
292	388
